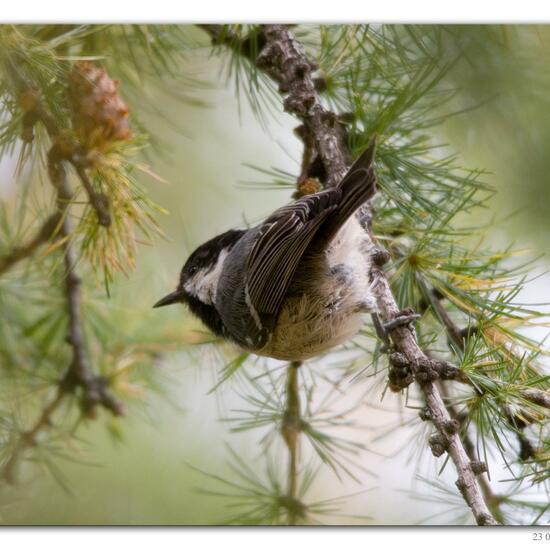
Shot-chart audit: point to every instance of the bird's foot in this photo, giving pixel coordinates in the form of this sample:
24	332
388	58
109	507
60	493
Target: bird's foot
403	319
383	330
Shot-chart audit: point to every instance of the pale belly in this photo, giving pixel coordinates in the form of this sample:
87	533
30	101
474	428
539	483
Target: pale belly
329	306
307	329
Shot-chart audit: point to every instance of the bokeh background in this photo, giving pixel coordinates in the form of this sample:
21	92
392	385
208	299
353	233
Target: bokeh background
139	470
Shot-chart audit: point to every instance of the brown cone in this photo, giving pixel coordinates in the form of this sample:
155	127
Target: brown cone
99	114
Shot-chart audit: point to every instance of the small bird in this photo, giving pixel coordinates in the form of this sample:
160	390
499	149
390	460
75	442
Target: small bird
295	285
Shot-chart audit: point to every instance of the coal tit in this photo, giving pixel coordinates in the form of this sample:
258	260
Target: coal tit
295	285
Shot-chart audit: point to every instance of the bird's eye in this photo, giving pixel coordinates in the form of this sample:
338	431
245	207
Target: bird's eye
193	269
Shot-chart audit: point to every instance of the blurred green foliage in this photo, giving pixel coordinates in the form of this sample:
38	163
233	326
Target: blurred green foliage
502	75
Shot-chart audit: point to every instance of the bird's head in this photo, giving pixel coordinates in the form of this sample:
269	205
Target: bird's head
201	272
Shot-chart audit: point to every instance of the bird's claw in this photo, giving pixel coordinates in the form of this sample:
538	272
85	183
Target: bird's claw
402	319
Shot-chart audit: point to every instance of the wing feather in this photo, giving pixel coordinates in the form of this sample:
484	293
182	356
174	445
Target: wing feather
279	247
284	237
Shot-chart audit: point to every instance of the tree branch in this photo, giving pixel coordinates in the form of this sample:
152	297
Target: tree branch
79	375
458	337
405	342
28	438
99	201
492	499
291	429
43	235
285	60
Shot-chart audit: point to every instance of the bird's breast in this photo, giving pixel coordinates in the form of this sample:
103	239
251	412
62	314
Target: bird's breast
326	303
307	328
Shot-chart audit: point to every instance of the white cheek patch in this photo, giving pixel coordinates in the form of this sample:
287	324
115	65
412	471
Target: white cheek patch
204	283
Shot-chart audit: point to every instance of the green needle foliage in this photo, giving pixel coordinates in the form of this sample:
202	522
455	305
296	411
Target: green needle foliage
396	82
39	111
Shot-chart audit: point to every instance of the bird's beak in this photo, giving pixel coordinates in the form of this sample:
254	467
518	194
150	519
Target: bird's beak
172	298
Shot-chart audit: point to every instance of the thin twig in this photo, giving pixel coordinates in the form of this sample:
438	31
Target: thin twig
42	236
459	337
405	342
447	371
291	429
29	438
79	374
491	498
99	201
455	334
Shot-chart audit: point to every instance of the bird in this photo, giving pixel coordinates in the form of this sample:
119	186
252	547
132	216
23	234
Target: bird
297	284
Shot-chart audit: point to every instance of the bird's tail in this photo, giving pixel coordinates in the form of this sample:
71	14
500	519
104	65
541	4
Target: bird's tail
357	187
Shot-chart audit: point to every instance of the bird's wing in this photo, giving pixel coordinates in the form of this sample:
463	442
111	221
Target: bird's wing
284	237
279	246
